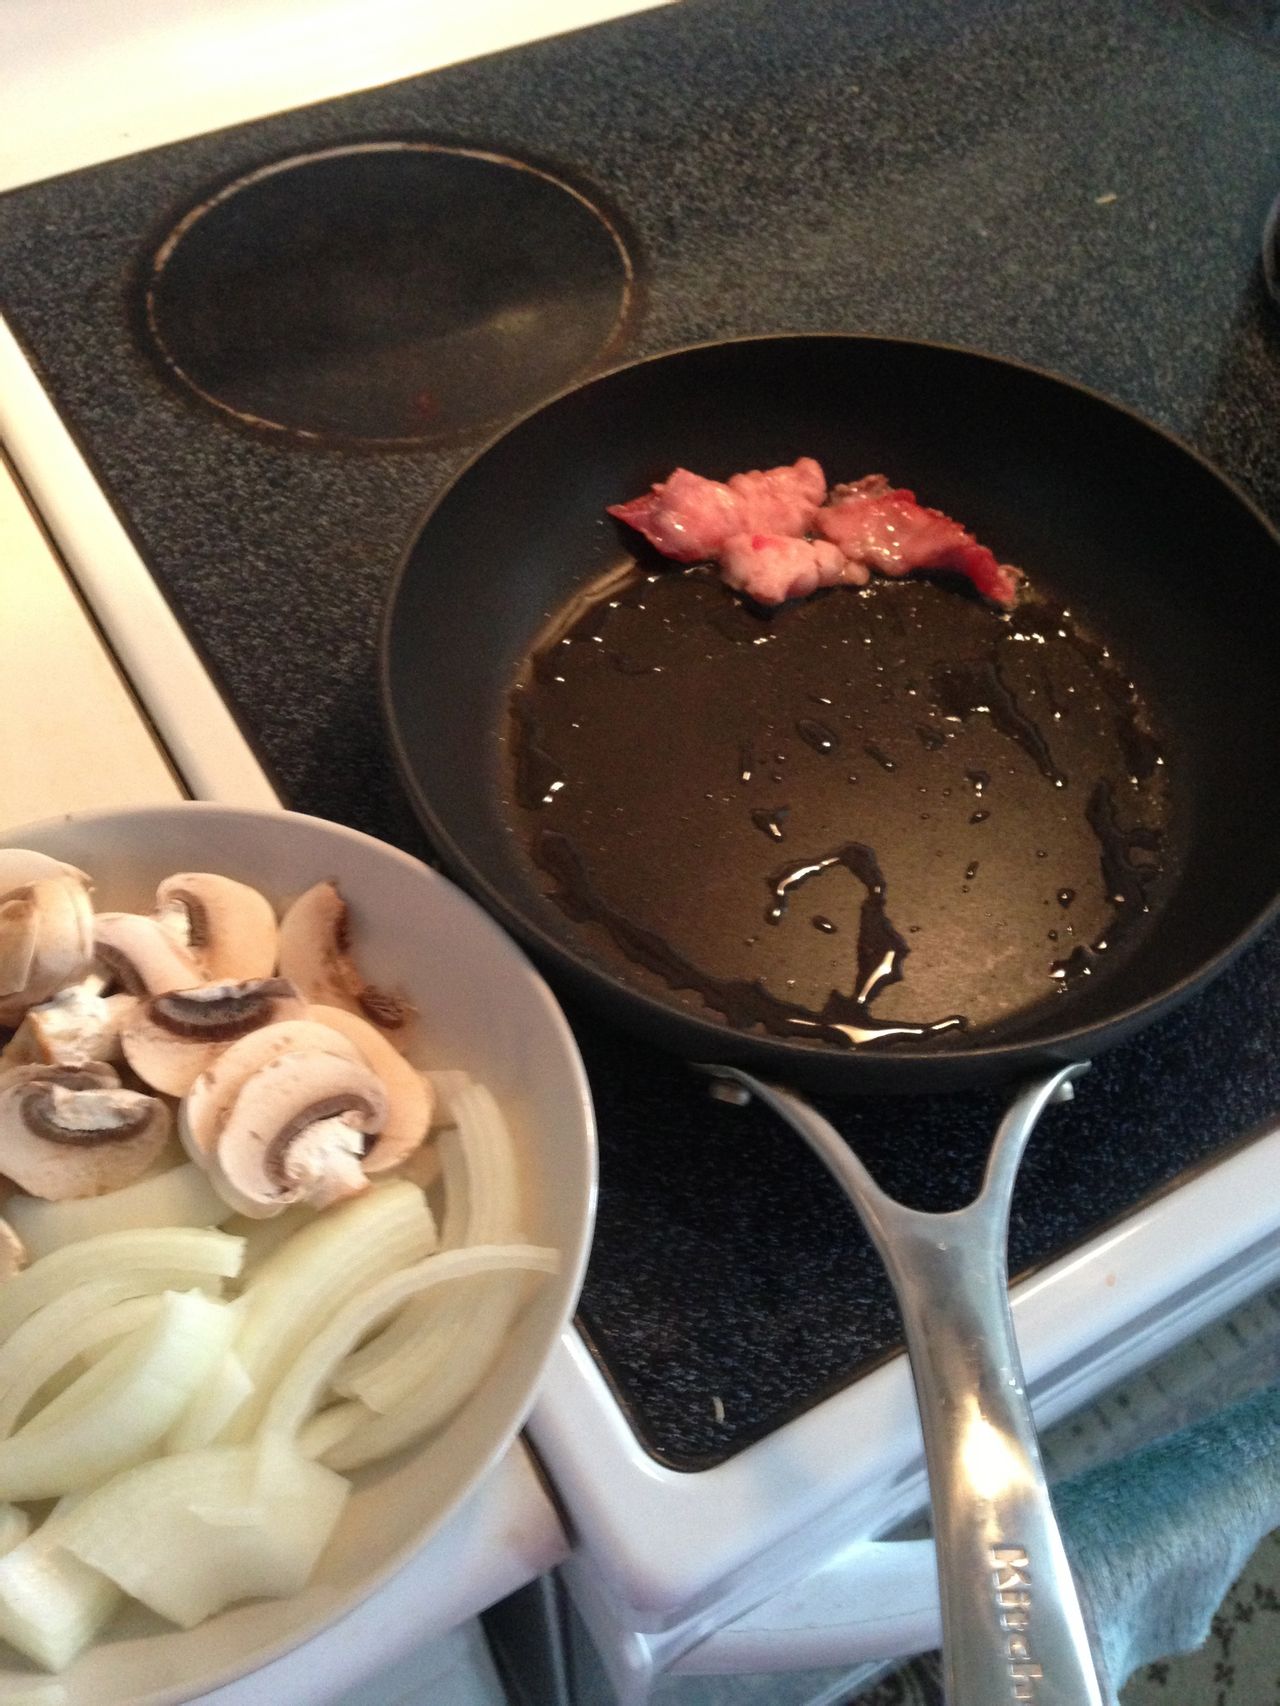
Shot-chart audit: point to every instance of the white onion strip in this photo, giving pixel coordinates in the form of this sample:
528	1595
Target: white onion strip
187	1250
296	1292
301	1389
53	1353
181	1196
478	1160
113	1415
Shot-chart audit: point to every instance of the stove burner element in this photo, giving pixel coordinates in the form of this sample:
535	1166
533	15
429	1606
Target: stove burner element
390	292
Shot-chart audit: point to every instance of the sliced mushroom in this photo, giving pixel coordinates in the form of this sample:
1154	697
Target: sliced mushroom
20	866
78	1024
410	1096
172	1038
315	952
46	942
204	1108
297	1132
13	1252
65	1133
227	926
134	952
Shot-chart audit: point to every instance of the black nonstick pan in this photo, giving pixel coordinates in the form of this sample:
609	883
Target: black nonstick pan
889	840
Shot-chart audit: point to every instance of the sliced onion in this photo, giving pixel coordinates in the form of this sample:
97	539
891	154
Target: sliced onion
51	1604
433	1399
478	1161
187	1250
327	1427
220	1526
422	1341
224	1392
295	1292
54	1351
262	1238
180	1196
300	1390
15	1525
113	1415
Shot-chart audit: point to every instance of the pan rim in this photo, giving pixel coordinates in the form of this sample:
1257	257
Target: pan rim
992	1060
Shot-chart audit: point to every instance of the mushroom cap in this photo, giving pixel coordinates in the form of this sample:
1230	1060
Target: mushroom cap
67	1132
410	1096
133	951
227	926
172	1038
21	865
296	1132
204	1109
46	941
315	952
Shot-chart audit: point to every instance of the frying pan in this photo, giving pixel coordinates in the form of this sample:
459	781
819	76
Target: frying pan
1179	573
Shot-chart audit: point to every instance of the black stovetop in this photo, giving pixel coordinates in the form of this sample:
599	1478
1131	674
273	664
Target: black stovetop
1079	185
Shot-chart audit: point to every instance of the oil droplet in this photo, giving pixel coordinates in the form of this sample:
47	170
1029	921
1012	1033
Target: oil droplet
882	758
820	922
1053	935
971	871
746	763
771	820
817	735
978	779
979	817
1066	896
932	740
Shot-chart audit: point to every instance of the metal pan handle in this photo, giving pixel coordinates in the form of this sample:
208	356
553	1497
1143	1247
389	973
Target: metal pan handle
1011	1619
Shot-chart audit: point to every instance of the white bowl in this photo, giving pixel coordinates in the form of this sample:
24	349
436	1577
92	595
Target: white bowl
483	1008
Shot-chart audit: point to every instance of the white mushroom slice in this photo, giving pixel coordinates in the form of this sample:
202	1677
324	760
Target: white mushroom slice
46	942
315	952
297	1132
65	1133
410	1096
172	1038
143	959
78	1024
99	1073
205	1107
20	866
13	1252
229	927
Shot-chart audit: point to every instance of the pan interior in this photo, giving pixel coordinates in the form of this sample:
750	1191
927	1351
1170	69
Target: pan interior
1150	549
864	816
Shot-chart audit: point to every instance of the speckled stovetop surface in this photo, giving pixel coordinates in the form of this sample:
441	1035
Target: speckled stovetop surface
1068	181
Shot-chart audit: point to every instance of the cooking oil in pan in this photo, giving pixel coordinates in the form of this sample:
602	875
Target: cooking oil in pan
679	770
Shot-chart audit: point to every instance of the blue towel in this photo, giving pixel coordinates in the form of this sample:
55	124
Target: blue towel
1157	1538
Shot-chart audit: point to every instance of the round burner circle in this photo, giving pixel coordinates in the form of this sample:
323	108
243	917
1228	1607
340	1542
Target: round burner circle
387	292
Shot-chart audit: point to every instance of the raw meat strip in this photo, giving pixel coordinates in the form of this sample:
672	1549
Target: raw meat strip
886	529
690	518
772	567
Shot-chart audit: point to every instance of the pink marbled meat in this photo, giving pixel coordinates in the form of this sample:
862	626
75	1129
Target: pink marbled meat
758	527
772	567
890	532
690	518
